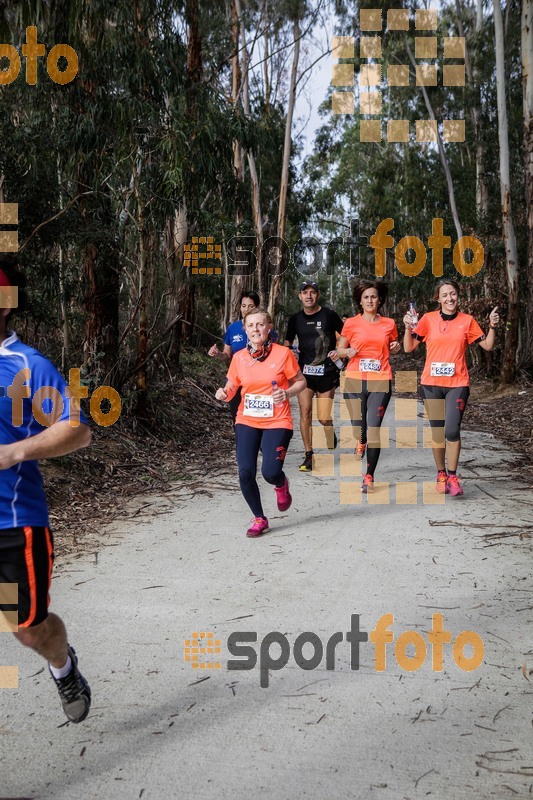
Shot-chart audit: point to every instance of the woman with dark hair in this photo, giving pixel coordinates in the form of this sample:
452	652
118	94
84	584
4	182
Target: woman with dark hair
445	382
366	340
235	340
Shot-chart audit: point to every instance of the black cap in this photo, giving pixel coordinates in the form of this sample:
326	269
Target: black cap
311	284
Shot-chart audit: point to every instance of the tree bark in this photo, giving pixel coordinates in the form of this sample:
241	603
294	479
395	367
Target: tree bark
254	177
508	370
526	352
238	283
482	196
442	154
282	209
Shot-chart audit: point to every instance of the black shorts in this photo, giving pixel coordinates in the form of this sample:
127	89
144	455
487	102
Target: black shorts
26	558
323	383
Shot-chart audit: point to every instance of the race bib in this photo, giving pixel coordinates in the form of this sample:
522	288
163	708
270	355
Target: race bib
258	405
442	369
313	369
369	365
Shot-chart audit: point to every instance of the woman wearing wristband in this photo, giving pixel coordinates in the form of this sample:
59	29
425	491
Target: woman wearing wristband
367	339
269	376
445	383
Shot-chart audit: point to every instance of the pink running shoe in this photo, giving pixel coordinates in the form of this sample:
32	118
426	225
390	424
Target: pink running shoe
360	450
442	482
259	527
368	484
284	497
453	485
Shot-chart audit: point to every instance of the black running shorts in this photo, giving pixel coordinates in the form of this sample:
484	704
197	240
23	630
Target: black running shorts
323	383
26	558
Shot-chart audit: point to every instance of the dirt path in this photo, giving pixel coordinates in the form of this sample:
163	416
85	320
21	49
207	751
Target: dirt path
159	729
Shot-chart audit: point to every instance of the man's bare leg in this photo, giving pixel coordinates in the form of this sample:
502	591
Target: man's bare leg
305	401
324	405
49	639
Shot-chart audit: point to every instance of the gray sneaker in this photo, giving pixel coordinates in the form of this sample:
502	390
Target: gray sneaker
74	691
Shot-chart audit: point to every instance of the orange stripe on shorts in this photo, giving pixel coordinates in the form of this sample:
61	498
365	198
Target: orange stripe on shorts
30	567
50	561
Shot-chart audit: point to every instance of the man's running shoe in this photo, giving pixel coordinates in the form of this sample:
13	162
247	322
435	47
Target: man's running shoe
360	450
453	485
284	497
331	444
259	527
368	484
442	482
307	465
74	691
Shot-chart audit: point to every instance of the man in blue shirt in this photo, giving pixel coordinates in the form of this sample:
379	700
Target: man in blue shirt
39	418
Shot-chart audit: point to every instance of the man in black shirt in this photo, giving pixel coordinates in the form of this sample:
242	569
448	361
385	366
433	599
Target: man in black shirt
315	326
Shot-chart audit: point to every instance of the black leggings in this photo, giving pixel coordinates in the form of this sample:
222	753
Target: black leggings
274	443
445	406
374	397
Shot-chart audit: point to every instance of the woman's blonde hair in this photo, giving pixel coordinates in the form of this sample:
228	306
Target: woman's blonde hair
259	310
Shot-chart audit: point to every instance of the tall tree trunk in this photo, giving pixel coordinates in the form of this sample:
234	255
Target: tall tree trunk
254	177
282	210
526	353
238	283
101	292
508	370
62	289
176	231
442	154
186	291
142	345
482	196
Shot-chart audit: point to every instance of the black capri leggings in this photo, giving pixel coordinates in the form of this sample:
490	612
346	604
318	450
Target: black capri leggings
273	442
367	407
445	406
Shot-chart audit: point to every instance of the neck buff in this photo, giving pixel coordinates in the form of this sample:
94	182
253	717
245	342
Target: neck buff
262	352
448	317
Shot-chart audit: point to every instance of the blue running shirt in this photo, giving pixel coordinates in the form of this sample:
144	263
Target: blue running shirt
22	497
235	336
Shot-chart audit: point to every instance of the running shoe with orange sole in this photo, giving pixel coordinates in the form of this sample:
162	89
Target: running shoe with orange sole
441	485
